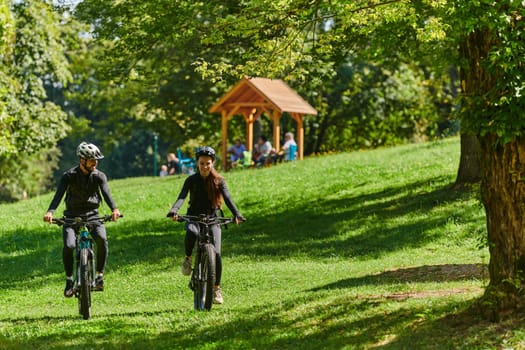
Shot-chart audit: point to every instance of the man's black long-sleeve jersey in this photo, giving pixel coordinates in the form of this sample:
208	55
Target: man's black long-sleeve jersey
83	192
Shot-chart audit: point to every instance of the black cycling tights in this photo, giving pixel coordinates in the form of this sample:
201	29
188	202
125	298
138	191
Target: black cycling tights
189	244
98	232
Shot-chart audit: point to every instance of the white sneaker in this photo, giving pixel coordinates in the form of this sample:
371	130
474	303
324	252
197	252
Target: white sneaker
217	295
186	266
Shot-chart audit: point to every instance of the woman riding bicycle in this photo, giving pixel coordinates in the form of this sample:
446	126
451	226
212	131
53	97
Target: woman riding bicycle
207	189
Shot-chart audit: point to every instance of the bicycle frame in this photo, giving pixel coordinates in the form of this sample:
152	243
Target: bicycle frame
85	272
84	277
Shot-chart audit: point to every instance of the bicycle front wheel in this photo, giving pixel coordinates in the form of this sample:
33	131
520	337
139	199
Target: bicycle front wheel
203	292
85	285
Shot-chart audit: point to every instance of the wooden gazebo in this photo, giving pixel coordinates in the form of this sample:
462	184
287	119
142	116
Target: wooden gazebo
251	97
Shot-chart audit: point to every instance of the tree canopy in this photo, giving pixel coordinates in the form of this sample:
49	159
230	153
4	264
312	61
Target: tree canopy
158	66
33	44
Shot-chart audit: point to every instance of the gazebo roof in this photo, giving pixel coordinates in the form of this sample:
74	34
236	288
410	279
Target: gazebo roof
263	93
250	97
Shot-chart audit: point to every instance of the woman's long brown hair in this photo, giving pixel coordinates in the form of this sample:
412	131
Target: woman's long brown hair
214	192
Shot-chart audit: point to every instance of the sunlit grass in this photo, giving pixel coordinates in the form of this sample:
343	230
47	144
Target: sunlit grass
359	250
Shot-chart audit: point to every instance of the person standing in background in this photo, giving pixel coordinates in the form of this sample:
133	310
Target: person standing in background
173	164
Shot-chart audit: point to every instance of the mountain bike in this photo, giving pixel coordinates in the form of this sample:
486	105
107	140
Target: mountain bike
204	270
84	276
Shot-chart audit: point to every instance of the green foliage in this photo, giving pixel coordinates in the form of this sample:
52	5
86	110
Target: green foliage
27	177
6	28
493	102
371	107
141	71
157	67
7	34
288	37
30	124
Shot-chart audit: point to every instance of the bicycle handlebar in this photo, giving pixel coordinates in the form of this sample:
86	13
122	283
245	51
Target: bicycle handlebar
79	221
206	220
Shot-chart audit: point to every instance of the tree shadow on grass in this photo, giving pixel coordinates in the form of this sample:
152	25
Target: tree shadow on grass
38	253
147	241
419	274
357	225
314	230
331	322
33	254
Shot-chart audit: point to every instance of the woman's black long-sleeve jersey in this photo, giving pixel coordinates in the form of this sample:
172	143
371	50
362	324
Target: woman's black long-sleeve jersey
199	202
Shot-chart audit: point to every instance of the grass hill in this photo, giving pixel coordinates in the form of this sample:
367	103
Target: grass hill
358	250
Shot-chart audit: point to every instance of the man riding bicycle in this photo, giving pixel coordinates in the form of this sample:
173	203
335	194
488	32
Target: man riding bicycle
83	186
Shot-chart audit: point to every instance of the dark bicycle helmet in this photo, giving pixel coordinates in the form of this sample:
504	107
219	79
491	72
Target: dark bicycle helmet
89	151
205	151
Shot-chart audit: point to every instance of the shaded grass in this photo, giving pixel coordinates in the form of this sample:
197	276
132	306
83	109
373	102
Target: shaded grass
358	250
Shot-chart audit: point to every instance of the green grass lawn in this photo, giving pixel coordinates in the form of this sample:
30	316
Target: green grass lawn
361	250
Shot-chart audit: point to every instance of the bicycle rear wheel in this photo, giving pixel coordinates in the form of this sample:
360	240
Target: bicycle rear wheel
205	279
85	285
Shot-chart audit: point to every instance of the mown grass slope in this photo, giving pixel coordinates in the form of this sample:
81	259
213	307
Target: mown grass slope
358	250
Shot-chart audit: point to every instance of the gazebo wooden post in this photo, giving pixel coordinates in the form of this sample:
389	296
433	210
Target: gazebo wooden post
276	115
300	136
224	123
250	119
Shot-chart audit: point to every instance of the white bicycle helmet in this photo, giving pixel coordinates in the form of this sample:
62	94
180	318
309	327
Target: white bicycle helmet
89	151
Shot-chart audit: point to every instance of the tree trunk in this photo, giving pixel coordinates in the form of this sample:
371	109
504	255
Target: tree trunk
502	166
469	168
503	195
